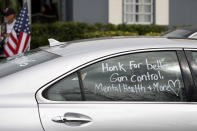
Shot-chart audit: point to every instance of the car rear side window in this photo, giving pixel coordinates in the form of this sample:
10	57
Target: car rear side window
151	76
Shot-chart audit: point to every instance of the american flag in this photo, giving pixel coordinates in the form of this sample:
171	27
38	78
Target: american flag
19	38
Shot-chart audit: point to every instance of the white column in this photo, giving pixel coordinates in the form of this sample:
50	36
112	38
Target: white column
115	11
162	12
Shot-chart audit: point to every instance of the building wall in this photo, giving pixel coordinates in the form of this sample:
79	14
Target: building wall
166	12
182	12
90	11
115	11
162	12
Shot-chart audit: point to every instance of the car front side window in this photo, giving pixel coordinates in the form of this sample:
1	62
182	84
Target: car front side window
151	76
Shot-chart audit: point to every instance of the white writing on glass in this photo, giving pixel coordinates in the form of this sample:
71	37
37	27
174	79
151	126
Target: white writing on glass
116	77
147	77
134	65
156	66
107	68
172	86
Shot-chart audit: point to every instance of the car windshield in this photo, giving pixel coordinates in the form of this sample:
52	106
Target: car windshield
179	33
23	61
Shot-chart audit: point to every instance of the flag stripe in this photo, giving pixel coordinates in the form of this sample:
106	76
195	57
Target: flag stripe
22	42
12	43
28	46
11	48
14	39
26	43
8	52
19	42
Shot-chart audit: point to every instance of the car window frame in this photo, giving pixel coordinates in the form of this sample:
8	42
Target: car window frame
180	56
193	69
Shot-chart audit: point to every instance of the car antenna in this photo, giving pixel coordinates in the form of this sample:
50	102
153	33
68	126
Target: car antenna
53	42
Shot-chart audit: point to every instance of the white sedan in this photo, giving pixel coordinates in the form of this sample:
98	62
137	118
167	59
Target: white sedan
109	84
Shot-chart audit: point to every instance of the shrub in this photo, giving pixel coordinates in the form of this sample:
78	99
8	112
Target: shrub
67	31
153	34
98	34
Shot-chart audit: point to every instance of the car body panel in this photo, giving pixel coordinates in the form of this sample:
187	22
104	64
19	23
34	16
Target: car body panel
19	111
115	45
123	116
15	118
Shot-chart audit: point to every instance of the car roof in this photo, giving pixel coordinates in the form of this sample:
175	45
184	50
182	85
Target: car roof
120	44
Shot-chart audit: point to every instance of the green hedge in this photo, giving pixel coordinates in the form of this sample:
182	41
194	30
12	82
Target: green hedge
67	31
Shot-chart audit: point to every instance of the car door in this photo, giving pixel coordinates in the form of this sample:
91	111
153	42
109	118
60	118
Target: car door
144	91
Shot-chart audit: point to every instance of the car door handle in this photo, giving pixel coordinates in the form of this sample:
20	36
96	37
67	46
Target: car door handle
72	119
62	119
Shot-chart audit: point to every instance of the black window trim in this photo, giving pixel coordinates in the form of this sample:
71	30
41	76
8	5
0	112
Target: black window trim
193	69
186	74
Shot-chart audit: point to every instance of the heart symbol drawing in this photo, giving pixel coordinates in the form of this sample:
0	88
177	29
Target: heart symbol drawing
172	85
